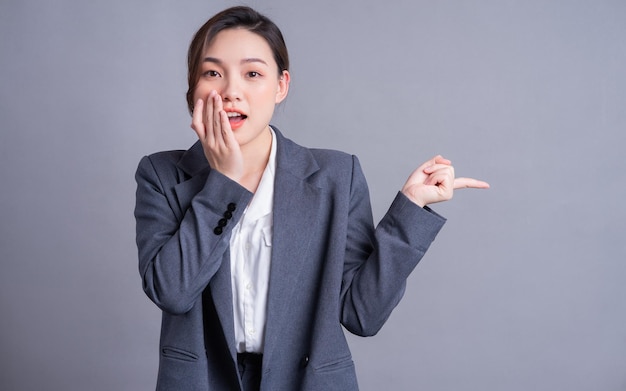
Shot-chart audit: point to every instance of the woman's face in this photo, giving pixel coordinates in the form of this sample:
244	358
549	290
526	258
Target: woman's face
240	66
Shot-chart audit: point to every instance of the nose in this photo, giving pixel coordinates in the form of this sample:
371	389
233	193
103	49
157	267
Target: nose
231	91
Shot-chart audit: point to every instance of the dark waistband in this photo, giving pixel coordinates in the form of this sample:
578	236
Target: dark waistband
250	358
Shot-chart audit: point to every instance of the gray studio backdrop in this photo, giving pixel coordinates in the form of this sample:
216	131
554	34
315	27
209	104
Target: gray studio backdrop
525	287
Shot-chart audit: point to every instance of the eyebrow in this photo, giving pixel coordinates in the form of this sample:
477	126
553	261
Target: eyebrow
244	61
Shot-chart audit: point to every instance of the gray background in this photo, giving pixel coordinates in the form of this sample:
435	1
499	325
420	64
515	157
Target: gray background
524	289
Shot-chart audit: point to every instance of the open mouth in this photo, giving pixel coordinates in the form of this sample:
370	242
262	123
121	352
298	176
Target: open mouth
236	119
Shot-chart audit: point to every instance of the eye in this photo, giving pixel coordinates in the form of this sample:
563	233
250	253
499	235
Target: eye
253	74
211	73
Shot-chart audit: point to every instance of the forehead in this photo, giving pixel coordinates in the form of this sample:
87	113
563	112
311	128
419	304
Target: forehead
237	44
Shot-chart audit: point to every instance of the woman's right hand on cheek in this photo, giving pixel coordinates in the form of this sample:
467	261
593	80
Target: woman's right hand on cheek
210	122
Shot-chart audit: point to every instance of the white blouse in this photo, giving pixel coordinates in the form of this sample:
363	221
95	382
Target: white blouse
250	256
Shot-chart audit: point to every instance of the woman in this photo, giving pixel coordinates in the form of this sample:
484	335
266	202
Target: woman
258	250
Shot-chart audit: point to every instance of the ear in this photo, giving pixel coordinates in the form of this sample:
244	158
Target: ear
283	86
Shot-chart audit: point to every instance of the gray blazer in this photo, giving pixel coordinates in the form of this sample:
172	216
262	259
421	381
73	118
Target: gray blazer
329	266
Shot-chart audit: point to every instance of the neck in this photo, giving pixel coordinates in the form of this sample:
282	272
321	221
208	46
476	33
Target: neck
255	158
257	153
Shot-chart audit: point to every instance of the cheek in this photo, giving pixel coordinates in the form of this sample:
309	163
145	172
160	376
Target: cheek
268	93
200	91
268	96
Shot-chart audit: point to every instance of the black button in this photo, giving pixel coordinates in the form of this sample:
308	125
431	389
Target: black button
217	230
222	223
228	214
231	207
304	362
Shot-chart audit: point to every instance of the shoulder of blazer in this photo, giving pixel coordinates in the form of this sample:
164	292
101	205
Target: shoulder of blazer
303	162
292	157
178	165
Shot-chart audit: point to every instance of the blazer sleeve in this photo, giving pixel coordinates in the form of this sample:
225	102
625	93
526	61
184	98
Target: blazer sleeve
378	261
179	250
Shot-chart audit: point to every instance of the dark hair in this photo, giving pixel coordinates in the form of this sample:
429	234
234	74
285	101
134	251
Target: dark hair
235	17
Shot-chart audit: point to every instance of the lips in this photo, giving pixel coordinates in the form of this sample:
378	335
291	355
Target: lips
236	119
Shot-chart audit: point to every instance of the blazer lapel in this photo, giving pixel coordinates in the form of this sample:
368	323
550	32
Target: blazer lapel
221	290
295	216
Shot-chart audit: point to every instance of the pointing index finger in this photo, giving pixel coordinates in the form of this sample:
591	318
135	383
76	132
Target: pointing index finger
465	183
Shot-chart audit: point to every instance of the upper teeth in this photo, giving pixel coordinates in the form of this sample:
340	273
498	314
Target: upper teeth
233	114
